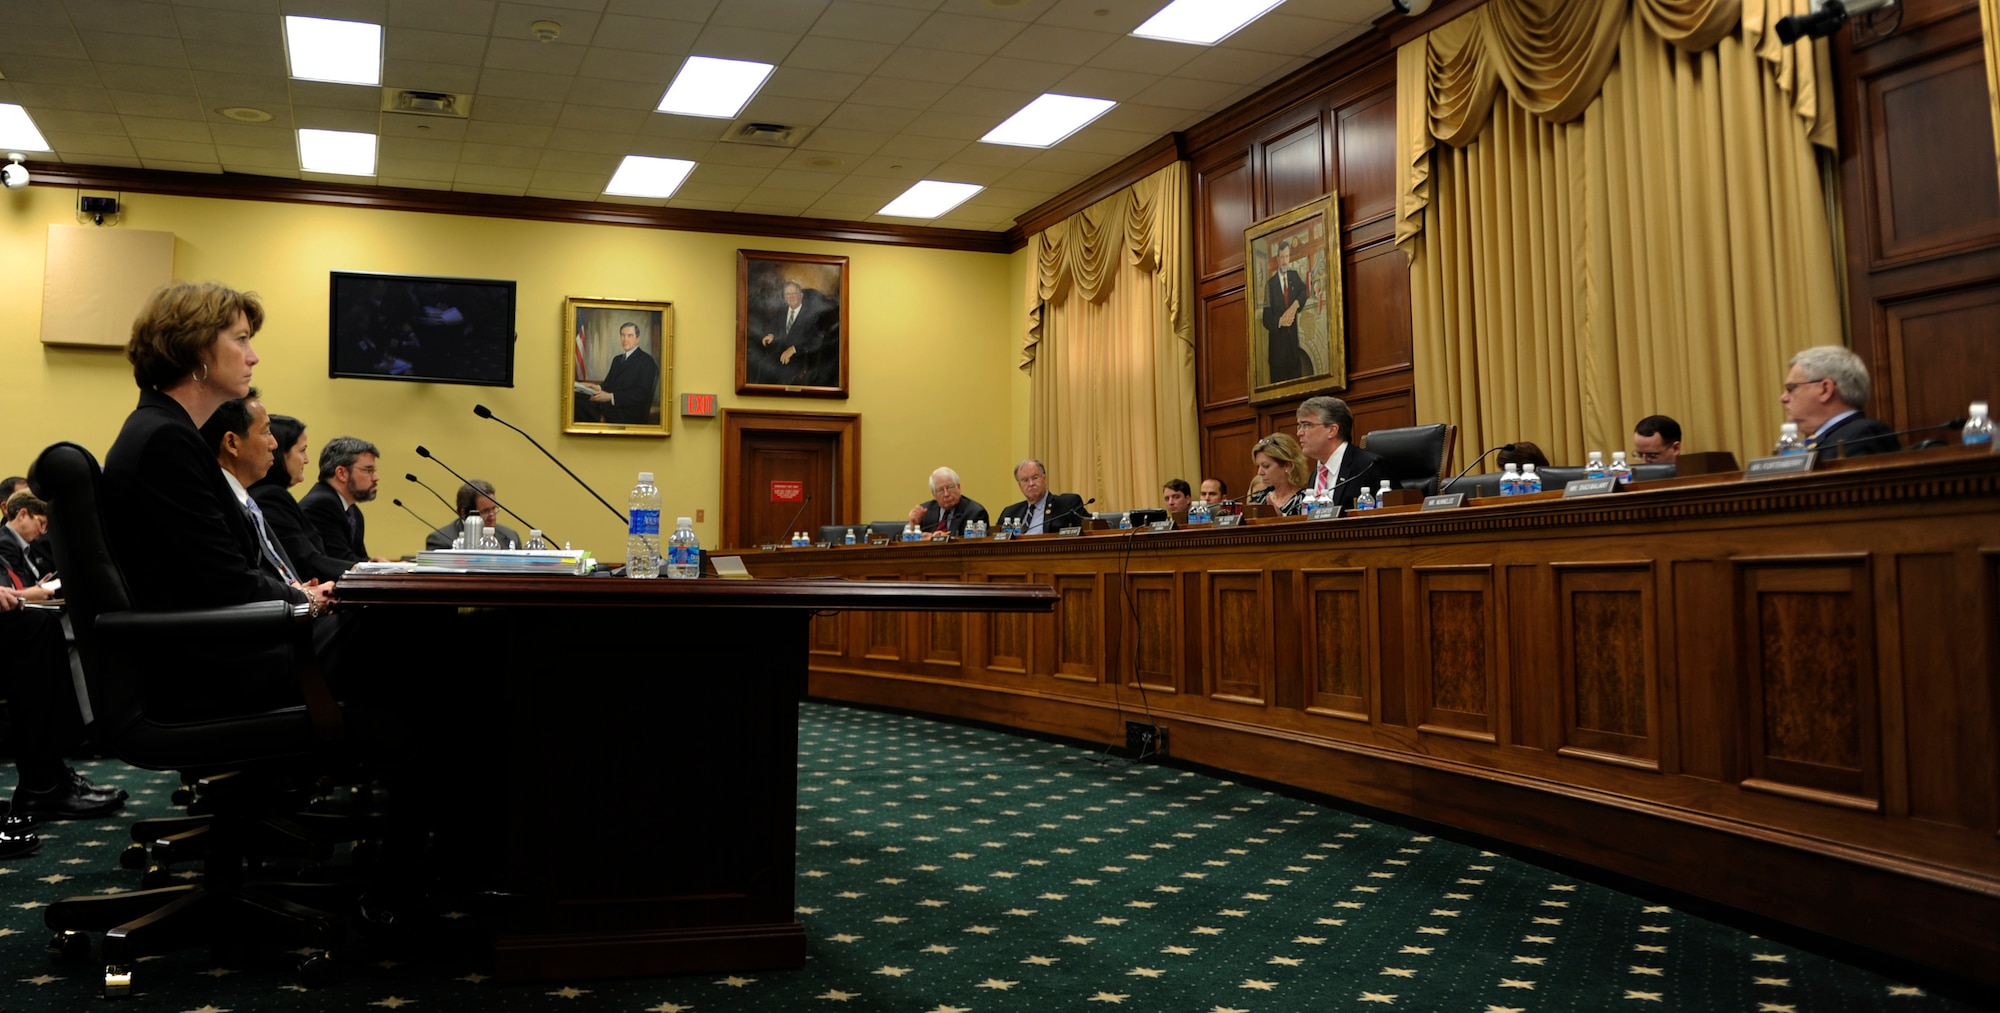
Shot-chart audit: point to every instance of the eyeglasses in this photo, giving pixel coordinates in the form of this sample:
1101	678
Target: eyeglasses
1790	387
1310	424
1651	455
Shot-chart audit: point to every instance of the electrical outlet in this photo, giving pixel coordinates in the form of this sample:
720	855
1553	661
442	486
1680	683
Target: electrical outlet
700	515
1144	741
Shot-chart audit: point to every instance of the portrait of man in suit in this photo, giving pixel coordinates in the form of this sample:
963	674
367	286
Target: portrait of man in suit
1297	316
792	309
619	366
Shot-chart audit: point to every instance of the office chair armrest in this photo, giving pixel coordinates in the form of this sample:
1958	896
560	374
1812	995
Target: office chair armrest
251	625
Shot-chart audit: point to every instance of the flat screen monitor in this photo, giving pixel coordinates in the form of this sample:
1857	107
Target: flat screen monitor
431	330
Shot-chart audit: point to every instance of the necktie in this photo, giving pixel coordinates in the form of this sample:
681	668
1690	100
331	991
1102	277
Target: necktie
353	519
1035	518
1325	480
791	317
271	553
944	520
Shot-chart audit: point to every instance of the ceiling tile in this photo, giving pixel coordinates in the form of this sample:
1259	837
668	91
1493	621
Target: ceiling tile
1035	179
507	156
914	146
413	75
218	88
848	206
63	98
892	168
992	103
135	103
1277	32
730	192
1002	155
412	182
881	188
236	159
797	15
252	135
632	96
670	147
424	128
58	41
74	147
702	205
734	43
693	128
853	142
495	175
753	155
26	69
192	131
1150	120
363	121
246	6
496	189
34	13
416	149
1031	76
1182	92
207	54
953	125
521	84
937	65
390	166
1234	66
371	11
601	118
335	96
962	34
853	116
899	93
131	77
961	171
411	45
501	109
474	16
646	35
1146	56
538	57
93	16
654	70
816	53
248	30
1107	141
185	151
571	180
78	122
482	131
797	180
793	112
590	142
1099	82
174	165
148	50
793	82
1068	45
867	22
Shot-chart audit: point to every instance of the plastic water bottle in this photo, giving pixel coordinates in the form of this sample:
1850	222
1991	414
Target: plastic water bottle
642	539
849	540
536	543
1198	512
683	550
1594	468
1510	481
1382	495
1789	442
1619	469
910	531
1365	501
1531	480
1978	426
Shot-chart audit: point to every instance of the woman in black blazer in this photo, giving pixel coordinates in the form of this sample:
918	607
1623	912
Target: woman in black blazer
281	511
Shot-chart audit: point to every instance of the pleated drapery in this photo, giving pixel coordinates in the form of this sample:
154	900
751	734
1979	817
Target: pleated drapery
1110	345
1641	227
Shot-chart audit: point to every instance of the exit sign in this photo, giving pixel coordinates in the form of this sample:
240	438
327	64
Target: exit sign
698	405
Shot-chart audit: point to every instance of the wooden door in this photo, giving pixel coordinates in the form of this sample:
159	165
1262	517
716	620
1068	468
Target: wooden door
788	471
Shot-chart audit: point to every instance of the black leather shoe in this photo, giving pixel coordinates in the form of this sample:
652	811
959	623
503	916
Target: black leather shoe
16	843
87	787
65	801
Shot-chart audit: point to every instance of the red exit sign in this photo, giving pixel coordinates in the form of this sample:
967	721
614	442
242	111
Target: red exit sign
698	405
788	492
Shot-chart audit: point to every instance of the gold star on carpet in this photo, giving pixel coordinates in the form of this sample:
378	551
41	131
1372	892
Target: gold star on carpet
1350	904
935	948
1080	940
52	878
1421	951
1285	961
1163	888
892	919
1039	961
1540	920
475	978
1538	939
1053	896
850	895
30	905
971	888
1771	981
1443	913
1555	903
890	880
984	930
1109	997
1516	983
1309	940
1647	996
1399	972
1767	958
1204	930
41	979
1643	948
1140	903
1329	921
1178	951
568	992
1656	909
1663	928
1571	887
1234	912
668	1007
1384	999
1144	972
927	902
1518	959
735	982
1108	920
6	932
844	937
1776	1007
997	983
393	1002
1905	990
209	1009
1019	912
836	995
1431	930
1261	986
1655	971
1506	1009
893	972
1228	1009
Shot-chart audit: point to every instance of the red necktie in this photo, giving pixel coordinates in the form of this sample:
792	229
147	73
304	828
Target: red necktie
1325	480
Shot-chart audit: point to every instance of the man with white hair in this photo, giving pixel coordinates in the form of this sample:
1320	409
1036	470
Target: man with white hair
1824	393
948	510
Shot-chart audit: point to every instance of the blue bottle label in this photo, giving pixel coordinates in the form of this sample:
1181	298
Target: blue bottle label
645	522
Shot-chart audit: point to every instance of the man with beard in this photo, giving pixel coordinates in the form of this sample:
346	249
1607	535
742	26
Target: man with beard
346	480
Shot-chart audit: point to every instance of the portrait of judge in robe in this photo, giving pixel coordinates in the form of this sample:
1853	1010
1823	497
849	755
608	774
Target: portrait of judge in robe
619	366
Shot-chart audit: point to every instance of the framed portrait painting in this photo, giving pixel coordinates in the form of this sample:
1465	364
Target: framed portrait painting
791	324
1298	317
618	367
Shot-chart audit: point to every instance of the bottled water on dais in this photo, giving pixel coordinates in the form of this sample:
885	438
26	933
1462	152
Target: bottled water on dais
1788	441
683	550
1978	426
1619	469
642	538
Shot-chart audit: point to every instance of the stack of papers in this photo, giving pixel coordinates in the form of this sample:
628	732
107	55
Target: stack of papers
574	562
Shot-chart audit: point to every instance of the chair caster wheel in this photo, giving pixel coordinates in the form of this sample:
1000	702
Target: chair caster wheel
133	857
156	876
317	971
117	981
69	946
183	796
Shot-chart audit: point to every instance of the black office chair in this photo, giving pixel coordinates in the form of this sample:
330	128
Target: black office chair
836	534
1557	477
1413	457
253	761
1649	472
892	530
1477	486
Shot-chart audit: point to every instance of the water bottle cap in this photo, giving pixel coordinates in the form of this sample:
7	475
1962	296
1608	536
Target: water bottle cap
1978	410
1597	455
1528	468
683	522
645	478
1617	455
534	533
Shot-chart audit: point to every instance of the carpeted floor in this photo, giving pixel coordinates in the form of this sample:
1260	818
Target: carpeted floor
946	869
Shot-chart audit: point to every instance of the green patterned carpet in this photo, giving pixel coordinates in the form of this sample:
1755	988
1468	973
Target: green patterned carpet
945	869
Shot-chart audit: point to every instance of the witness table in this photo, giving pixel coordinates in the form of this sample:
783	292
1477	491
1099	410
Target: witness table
647	763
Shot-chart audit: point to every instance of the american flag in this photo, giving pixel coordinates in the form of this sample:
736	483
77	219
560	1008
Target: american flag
581	372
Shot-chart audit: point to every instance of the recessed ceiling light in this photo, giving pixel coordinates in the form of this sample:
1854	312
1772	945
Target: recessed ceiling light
18	131
343	52
343	152
707	86
245	114
929	198
1202	22
642	176
1047	120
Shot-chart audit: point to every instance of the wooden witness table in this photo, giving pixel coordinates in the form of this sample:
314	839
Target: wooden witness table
1777	694
647	769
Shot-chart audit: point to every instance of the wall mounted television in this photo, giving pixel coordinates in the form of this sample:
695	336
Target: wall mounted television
431	330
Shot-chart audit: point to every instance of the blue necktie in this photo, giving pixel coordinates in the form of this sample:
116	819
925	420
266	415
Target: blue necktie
264	539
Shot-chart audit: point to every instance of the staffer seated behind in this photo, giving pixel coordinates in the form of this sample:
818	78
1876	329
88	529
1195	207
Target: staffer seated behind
346	480
1281	474
1213	491
22	545
43	723
1523	453
948	510
1824	393
475	497
287	522
1177	494
238	433
1041	512
1656	440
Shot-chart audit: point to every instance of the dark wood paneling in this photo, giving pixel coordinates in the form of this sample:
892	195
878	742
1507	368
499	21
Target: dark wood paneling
1946	687
1225	454
1079	651
1456	644
1225	370
941	634
1378	312
1811	689
1393	636
1609	683
829	634
1337	643
1947	351
1705	671
1224	209
1158	633
1932	156
1008	647
1366	132
1294	167
1238	636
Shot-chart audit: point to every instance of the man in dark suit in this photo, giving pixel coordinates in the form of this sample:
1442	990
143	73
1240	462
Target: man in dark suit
798	343
948	510
625	395
44	721
346	480
27	520
1285	295
1825	391
475	497
1340	468
1041	512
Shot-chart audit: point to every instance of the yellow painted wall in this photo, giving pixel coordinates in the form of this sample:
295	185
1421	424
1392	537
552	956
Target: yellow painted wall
932	355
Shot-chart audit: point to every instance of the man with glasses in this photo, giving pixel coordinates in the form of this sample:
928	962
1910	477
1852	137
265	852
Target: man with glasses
1324	424
474	497
1041	511
1656	440
347	479
948	510
1824	393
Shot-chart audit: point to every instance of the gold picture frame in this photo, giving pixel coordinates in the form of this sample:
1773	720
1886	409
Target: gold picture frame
791	324
607	390
1297	324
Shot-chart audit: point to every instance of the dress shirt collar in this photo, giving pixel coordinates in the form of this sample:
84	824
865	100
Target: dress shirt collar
242	494
1333	466
1830	423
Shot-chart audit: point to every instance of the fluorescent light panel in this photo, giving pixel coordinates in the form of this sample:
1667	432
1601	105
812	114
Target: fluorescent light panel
716	88
17	131
641	176
929	198
343	52
1202	22
343	152
1047	120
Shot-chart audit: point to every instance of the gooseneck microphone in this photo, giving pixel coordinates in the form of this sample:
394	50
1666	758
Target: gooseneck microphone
1840	445
428	526
1333	490
1501	449
486	413
1075	514
448	505
427	455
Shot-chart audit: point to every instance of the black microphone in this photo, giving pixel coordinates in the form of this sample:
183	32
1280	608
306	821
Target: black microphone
796	513
448	505
486	413
1839	446
1076	513
428	526
427	455
1365	469
1501	449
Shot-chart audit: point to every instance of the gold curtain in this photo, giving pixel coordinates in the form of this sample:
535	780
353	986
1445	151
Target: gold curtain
1110	345
1641	227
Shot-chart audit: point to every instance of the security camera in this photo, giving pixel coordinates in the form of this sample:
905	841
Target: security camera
1411	8
15	175
1826	18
